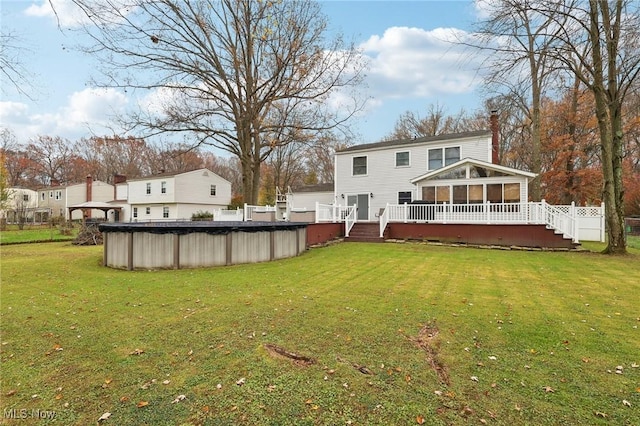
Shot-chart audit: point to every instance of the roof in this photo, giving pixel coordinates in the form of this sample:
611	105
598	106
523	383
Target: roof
320	187
170	174
484	164
94	205
416	141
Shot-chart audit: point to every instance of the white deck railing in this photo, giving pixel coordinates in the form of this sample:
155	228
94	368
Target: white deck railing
332	213
221	215
486	213
249	210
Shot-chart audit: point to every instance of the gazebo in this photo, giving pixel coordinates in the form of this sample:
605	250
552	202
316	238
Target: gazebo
93	205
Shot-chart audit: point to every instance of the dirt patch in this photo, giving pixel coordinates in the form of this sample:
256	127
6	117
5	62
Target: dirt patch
280	352
428	340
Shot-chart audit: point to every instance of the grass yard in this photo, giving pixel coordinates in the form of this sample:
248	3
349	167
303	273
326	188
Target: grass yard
362	334
35	234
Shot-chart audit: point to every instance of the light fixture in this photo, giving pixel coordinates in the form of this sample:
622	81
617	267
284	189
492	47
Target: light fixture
371	195
341	195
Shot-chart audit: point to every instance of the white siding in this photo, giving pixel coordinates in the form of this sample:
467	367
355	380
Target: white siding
384	180
195	187
307	200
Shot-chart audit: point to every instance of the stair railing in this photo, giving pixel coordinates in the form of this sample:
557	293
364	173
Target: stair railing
350	219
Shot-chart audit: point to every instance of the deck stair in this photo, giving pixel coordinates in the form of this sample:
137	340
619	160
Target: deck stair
365	232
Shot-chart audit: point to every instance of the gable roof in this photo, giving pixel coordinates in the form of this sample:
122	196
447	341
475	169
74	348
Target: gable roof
170	174
464	161
415	141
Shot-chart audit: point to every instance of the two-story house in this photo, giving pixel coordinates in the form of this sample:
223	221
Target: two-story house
58	198
454	169
171	196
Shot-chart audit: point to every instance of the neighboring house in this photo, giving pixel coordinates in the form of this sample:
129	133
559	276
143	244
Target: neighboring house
171	196
448	168
58	198
21	205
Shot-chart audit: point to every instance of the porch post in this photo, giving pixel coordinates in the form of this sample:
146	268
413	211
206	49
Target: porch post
317	211
487	211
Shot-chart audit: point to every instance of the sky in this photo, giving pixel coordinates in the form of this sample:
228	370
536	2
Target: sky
412	66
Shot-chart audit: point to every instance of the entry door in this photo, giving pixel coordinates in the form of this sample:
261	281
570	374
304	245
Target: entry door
362	205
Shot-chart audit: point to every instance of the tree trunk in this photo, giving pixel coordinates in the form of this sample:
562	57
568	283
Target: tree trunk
608	113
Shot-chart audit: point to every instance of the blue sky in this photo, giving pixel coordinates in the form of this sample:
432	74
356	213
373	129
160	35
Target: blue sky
412	66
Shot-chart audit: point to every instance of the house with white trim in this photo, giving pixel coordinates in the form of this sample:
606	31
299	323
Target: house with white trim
171	196
58	198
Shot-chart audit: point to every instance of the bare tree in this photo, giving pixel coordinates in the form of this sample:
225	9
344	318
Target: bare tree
599	45
436	122
110	155
12	69
518	39
51	157
232	72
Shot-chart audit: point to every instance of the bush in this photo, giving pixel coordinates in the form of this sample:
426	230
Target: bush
200	215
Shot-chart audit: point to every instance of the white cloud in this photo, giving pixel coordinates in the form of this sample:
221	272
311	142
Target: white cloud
87	112
64	12
418	63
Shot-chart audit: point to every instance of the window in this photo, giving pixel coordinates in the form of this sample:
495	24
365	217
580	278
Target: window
25	197
476	194
435	158
404	197
443	194
460	194
148	211
439	157
451	155
212	190
148	188
50	194
58	195
163	188
494	192
402	159
135	212
511	192
359	166
165	212
43	196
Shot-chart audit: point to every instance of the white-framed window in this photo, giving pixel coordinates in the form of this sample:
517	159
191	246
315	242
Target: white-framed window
165	212
404	197
43	195
359	166
58	195
135	212
148	188
440	157
148	211
25	197
212	190
163	187
402	159
50	194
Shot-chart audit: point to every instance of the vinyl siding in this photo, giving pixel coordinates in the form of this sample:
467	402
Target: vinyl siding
384	180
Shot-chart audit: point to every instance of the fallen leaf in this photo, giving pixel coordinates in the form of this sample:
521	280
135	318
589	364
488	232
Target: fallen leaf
407	378
179	398
518	407
420	420
166	382
474	378
13	392
142	404
104	417
549	389
493	358
124	398
483	421
137	352
206	409
600	414
241	381
625	402
58	396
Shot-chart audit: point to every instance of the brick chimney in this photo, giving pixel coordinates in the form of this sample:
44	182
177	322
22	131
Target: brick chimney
89	188
117	179
495	131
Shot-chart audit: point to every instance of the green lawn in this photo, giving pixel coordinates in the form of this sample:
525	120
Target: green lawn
35	234
400	334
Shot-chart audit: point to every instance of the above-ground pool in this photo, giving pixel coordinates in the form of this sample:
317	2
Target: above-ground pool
175	245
